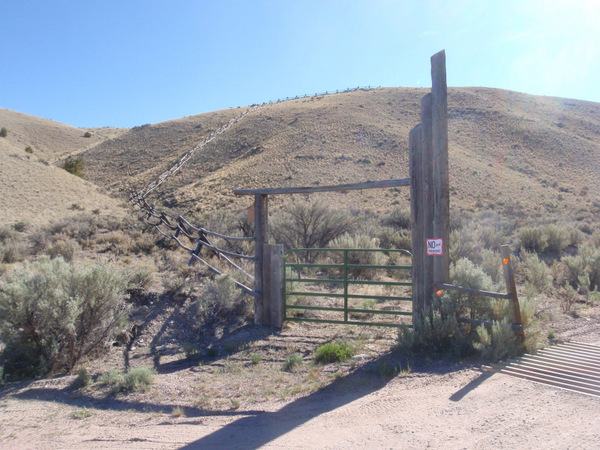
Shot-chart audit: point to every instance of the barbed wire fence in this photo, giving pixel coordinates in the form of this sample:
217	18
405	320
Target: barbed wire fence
192	238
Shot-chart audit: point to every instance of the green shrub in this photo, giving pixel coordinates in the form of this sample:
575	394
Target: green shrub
74	166
212	352
139	379
399	218
392	238
52	314
83	379
136	380
441	332
333	352
436	332
3	132
28	149
192	351
533	240
498	342
535	271
557	238
292	362
491	264
221	300
582	271
464	243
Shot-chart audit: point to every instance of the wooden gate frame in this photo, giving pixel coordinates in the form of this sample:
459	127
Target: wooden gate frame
429	204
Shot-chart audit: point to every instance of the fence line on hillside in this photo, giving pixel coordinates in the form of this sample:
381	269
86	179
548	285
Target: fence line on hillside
178	228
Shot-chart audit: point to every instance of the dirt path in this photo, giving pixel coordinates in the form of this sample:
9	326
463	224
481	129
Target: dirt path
452	407
255	405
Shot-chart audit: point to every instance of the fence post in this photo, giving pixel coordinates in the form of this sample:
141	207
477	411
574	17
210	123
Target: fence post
440	182
273	285
261	224
417	225
511	288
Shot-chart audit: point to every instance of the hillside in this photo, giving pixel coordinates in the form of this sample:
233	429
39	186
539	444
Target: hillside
527	154
515	153
33	187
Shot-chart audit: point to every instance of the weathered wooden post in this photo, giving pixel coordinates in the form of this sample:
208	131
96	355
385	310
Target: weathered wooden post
511	288
440	187
430	205
261	224
273	285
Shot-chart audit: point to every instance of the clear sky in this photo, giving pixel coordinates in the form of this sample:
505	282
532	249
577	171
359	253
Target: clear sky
124	63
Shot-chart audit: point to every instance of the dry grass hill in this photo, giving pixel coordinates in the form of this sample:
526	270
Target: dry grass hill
206	376
33	187
534	156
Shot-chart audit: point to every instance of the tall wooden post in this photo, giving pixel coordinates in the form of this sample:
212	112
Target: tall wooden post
430	205
261	226
416	220
441	190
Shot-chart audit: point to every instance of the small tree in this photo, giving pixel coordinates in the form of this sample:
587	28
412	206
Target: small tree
3	132
74	166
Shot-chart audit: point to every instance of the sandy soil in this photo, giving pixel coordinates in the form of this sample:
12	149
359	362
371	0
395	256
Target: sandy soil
437	405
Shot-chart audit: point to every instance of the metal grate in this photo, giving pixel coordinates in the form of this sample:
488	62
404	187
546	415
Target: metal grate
573	366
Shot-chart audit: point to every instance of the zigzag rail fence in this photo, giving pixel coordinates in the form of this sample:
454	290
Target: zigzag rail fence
178	228
429	194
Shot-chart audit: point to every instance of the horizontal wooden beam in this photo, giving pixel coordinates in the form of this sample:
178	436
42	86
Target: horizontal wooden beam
340	187
452	287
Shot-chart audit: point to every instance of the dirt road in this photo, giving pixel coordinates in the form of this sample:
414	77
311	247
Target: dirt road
451	407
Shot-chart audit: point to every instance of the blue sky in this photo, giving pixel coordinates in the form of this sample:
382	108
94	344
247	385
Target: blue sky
131	62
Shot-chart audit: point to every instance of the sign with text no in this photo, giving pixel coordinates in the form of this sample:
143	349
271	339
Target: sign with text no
435	247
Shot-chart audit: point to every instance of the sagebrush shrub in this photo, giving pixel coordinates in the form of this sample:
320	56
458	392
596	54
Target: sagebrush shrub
3	132
399	217
52	314
348	241
583	271
13	252
535	271
64	248
308	225
464	243
557	238
532	239
498	342
221	300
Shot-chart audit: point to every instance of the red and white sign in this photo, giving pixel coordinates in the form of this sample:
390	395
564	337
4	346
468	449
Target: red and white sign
435	247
